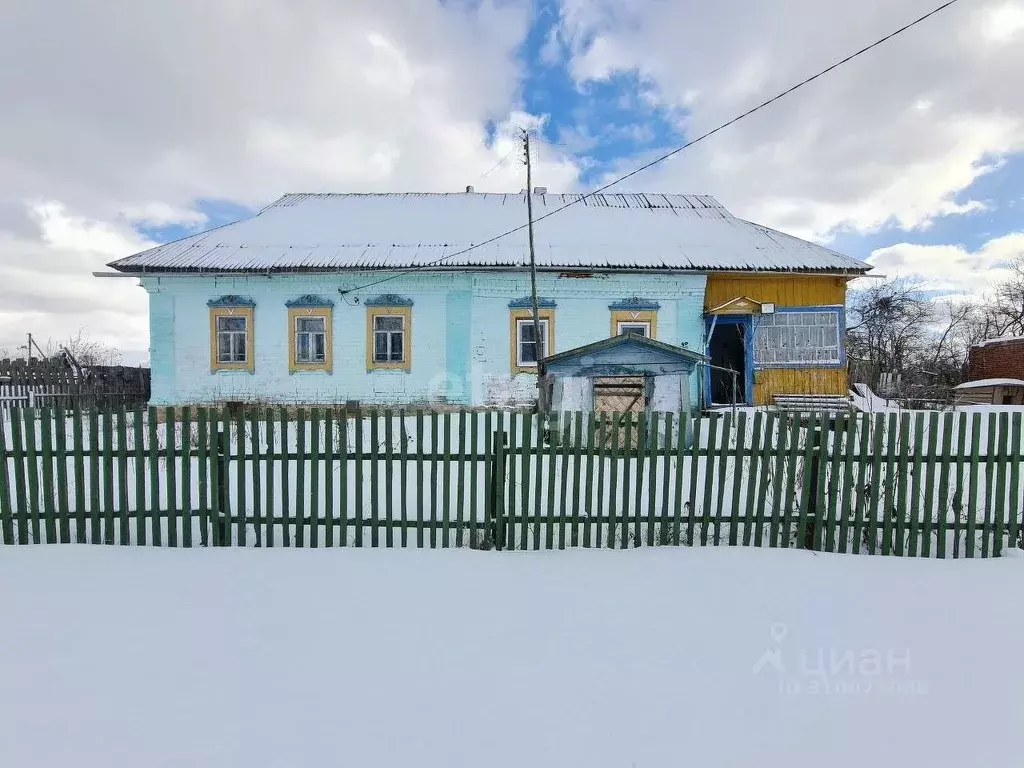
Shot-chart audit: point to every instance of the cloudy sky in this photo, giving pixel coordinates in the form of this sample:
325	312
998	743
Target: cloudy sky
127	124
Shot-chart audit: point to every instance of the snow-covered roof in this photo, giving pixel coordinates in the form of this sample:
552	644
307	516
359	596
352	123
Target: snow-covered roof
981	383
327	232
999	340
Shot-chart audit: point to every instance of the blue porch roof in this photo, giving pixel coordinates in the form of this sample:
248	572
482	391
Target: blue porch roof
628	355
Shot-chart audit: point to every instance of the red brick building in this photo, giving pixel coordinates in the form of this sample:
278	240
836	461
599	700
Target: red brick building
997	358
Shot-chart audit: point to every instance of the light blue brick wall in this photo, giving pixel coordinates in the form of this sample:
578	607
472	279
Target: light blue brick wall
458	316
460	334
161	346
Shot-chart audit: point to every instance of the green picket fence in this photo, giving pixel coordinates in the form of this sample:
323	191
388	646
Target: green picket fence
918	484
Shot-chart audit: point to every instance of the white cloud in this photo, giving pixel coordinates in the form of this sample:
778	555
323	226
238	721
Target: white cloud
65	232
1004	22
890	138
128	113
952	268
49	290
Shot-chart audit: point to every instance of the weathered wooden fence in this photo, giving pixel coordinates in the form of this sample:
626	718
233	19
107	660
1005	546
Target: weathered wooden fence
56	384
919	484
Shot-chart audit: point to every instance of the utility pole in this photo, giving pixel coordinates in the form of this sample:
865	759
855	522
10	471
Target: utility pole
533	257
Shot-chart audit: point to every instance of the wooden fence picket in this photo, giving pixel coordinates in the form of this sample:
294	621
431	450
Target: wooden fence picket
6	514
257	479
171	482
1000	507
33	460
1014	501
343	454
771	431
753	477
808	495
564	455
329	504
47	473
917	516
888	499
737	480
990	482
972	499
474	447
901	502
186	477
695	451
154	477
316	472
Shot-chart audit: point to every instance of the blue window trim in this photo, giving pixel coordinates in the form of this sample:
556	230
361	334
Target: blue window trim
388	300
634	303
745	320
309	301
527	303
230	300
839	309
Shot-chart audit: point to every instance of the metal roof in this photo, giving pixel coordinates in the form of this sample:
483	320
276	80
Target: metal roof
330	232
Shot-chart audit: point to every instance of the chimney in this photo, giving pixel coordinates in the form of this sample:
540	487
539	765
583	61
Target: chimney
540	190
470	190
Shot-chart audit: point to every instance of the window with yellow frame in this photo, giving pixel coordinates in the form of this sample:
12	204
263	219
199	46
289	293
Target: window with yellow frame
389	333
310	334
635	315
523	350
231	333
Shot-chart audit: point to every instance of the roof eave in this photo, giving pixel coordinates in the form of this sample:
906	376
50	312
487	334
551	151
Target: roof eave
152	269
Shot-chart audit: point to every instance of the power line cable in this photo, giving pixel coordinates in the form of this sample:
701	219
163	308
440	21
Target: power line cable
495	166
677	150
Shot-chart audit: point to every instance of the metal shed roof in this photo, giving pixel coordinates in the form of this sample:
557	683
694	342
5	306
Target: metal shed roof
330	232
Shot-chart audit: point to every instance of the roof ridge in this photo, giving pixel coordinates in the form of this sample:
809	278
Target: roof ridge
706	199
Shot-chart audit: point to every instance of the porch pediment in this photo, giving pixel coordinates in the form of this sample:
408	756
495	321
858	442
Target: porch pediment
741	305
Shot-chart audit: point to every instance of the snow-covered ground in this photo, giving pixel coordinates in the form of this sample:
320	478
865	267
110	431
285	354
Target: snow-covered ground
662	657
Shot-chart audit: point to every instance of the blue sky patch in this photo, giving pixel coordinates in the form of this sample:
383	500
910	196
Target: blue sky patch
218	212
599	123
998	190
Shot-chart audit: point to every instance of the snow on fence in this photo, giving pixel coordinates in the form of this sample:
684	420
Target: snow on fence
920	484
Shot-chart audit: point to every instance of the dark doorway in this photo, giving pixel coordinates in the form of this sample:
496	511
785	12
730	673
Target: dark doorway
727	351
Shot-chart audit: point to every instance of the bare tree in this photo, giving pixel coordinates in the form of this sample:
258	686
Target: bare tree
896	327
84	350
956	329
889	324
1005	315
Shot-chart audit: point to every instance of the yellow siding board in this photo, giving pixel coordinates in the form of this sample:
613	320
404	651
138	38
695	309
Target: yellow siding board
798	381
786	291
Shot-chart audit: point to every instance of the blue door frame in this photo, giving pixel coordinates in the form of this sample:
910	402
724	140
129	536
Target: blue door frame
747	322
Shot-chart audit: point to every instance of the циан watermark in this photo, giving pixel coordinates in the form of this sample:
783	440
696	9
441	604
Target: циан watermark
838	671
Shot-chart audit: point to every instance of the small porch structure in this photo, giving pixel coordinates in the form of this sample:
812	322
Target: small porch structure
628	373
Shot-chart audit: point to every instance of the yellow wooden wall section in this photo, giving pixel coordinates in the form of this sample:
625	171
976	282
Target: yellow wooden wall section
798	381
786	291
